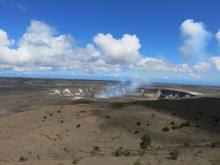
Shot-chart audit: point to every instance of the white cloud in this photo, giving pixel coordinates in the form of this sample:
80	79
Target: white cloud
42	48
195	38
4	39
216	61
119	51
202	66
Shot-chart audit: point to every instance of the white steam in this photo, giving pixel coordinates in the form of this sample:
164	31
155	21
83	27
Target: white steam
119	90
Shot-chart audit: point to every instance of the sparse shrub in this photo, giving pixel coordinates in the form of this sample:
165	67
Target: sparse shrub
215	144
95	150
165	129
172	123
121	152
141	152
184	124
174	127
22	159
174	154
146	141
78	125
138	123
108	116
136	132
76	160
82	111
38	157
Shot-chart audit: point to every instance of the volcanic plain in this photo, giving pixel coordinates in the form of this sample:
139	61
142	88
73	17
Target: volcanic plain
64	122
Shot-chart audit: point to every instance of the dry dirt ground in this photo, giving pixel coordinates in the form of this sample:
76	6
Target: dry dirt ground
41	129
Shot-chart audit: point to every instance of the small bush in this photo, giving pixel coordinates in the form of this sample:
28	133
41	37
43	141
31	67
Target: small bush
95	150
146	141
136	132
121	152
184	124
165	129
138	123
172	123
22	159
174	127
174	154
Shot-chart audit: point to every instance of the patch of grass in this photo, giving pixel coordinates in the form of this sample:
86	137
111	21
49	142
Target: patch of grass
121	152
95	151
174	154
145	142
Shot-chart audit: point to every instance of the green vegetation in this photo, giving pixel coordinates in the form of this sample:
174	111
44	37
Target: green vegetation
174	127
184	124
95	150
146	142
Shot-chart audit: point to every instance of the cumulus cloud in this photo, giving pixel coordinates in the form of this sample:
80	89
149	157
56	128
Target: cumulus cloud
202	66
195	38
119	51
42	48
4	39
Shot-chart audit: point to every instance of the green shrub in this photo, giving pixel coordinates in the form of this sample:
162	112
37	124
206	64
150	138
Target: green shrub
95	150
174	127
146	141
184	124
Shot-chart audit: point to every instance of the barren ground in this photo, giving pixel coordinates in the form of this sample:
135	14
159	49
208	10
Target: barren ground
41	129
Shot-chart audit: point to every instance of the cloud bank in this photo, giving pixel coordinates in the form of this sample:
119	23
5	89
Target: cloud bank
41	48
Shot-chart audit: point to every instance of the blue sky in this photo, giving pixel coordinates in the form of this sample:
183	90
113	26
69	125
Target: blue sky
156	24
